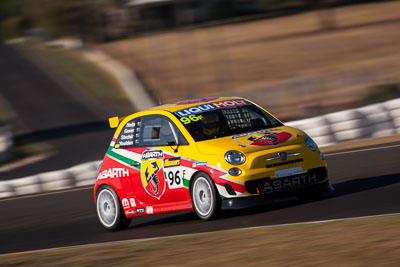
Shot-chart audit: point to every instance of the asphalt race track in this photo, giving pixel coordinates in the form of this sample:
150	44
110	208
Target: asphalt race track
52	112
366	182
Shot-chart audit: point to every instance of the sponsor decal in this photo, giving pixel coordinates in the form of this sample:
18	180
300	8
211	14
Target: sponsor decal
199	164
113	173
211	106
152	173
231	103
125	203
149	210
172	162
195	110
152	154
271	137
129	212
140	210
133	203
285	183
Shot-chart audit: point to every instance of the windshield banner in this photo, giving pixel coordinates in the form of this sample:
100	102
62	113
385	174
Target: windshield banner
211	106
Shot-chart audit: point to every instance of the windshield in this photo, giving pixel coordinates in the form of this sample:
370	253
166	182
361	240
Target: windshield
228	121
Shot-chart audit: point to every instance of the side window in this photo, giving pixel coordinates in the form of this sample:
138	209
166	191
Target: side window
129	136
157	130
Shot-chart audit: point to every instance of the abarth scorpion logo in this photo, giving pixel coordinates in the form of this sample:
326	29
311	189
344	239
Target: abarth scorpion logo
152	173
263	140
152	178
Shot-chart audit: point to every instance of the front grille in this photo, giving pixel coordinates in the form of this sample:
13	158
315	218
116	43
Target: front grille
284	163
267	185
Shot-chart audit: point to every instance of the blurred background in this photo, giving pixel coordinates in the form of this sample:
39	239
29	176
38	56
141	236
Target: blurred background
61	61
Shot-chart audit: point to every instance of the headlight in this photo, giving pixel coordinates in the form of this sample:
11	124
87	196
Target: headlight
310	143
235	157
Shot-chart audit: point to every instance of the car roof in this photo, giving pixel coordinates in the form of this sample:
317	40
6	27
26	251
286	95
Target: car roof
192	103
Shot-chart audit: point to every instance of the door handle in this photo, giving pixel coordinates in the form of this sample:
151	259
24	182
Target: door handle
135	164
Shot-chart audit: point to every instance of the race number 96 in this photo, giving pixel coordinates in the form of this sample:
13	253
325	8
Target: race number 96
175	178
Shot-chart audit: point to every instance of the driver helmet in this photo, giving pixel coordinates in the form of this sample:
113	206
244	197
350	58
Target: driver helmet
210	124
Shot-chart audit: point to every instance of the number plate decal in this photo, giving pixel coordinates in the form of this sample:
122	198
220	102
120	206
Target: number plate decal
288	172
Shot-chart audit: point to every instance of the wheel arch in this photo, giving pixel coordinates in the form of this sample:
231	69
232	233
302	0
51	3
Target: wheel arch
206	172
99	186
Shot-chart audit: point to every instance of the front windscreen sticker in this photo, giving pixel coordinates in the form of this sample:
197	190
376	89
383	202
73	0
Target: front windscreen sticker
211	106
189	119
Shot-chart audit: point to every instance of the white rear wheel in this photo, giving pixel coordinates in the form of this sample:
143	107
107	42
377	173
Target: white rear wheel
109	210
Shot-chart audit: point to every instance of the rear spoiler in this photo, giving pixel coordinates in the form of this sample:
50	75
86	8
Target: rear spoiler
114	121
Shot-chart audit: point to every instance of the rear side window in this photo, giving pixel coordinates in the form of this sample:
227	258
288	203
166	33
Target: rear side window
157	130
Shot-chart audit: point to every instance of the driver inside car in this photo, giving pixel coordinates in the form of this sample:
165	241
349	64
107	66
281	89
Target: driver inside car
210	125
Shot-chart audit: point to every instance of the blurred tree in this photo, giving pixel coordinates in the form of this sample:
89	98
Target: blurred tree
11	21
83	18
10	8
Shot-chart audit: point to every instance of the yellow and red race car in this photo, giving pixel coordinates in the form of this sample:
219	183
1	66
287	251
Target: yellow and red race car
203	154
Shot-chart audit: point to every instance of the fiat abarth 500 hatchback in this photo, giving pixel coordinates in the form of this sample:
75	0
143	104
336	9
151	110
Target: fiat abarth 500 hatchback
203	155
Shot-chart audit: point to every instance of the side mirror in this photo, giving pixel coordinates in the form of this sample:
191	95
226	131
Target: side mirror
173	143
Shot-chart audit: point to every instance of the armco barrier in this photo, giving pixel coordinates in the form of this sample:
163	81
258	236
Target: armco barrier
369	121
79	175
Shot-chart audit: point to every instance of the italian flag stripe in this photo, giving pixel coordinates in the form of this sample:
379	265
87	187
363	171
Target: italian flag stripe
186	183
122	158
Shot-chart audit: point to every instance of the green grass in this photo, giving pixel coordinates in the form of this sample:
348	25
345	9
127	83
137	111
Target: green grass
356	242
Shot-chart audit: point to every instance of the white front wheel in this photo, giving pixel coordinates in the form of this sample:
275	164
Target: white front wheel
205	200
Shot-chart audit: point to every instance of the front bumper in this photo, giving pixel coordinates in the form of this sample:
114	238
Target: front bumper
324	188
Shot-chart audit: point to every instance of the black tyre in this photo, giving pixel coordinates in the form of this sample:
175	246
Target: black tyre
109	210
205	198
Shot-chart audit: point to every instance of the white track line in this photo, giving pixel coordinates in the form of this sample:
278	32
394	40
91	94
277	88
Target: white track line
360	150
173	236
